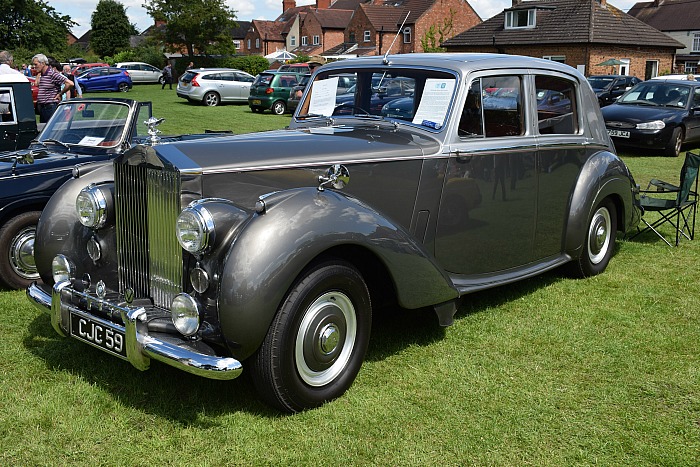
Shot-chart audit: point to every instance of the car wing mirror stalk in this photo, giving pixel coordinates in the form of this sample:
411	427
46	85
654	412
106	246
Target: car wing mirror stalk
337	176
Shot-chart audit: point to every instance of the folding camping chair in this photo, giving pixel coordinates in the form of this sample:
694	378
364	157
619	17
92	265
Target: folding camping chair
679	211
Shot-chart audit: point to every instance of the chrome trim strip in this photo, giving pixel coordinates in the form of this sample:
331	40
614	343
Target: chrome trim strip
141	347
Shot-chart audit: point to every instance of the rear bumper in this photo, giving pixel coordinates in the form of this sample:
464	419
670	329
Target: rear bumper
141	346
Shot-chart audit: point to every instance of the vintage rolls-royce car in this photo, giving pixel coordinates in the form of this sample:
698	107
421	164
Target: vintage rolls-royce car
270	251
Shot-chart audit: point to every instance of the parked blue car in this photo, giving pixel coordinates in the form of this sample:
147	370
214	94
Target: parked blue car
105	79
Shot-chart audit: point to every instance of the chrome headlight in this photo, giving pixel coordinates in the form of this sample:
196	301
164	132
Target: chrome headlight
185	314
655	125
195	229
62	269
91	206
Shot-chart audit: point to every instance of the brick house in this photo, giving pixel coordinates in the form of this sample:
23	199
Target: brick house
679	19
376	23
580	33
321	29
263	37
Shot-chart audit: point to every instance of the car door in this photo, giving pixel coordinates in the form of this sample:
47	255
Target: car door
693	119
243	83
228	88
486	219
150	73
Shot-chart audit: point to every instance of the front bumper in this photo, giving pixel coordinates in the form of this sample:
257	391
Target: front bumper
140	346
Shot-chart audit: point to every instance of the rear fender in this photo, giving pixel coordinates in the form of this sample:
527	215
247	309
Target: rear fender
604	175
297	226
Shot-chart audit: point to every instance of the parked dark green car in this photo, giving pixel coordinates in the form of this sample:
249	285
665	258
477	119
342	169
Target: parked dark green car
270	90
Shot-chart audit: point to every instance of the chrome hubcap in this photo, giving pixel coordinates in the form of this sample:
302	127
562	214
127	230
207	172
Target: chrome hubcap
325	339
599	235
22	254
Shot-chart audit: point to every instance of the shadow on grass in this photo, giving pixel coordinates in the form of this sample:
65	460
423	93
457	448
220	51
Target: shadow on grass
194	401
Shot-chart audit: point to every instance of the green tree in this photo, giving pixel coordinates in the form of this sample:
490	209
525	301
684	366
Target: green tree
437	34
33	24
204	25
111	28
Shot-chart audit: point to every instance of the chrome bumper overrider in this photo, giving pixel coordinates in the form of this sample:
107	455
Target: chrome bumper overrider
140	346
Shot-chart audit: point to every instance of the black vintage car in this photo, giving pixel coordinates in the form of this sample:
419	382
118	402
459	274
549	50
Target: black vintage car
272	250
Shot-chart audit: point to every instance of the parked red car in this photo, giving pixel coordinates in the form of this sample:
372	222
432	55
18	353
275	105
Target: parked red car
80	69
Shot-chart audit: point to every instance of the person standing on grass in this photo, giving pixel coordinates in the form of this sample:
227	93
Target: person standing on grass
167	76
52	85
76	91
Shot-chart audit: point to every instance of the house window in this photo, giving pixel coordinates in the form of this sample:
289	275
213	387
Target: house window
555	58
293	41
367	36
520	19
317	40
237	44
351	37
248	44
691	67
257	42
407	35
696	42
304	40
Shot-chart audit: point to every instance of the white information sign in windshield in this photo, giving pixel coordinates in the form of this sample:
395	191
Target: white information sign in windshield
434	102
323	97
91	141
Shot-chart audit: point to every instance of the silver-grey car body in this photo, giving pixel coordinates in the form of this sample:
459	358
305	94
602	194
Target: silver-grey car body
272	250
213	86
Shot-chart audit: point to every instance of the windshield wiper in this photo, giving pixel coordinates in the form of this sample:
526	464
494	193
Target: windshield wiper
55	141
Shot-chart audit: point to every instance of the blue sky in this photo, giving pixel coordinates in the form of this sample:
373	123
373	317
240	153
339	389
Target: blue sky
81	10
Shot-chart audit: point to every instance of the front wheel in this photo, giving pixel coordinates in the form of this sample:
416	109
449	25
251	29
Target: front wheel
317	341
17	266
123	87
279	108
600	241
674	147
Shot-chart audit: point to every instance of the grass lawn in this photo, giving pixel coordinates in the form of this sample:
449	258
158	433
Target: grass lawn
549	371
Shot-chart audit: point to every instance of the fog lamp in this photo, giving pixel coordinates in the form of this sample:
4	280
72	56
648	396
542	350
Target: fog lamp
195	229
91	206
199	279
62	269
94	250
185	314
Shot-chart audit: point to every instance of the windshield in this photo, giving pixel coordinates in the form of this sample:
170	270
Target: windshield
600	82
657	94
419	97
95	124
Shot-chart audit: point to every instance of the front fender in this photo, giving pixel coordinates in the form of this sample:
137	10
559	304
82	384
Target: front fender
603	175
298	226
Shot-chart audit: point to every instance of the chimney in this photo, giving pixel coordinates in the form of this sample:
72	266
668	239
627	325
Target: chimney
287	4
516	2
323	4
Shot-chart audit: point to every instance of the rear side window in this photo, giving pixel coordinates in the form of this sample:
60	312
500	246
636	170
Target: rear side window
263	80
212	76
556	105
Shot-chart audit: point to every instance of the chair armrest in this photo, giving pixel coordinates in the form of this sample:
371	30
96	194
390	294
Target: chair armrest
662	186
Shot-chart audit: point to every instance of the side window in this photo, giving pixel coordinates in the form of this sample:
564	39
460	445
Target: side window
6	114
556	105
696	98
493	108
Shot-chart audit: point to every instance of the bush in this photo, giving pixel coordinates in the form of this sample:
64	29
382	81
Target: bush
253	64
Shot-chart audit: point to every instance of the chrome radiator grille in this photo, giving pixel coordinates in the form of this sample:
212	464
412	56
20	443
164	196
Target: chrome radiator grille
147	203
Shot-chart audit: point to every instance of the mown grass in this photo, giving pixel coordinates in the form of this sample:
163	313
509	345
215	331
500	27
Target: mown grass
549	371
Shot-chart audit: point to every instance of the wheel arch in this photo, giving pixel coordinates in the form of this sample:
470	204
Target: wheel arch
34	203
306	227
604	176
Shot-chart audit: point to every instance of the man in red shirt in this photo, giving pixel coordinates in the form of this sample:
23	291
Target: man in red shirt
52	85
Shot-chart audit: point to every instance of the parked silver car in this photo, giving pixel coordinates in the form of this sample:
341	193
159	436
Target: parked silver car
141	72
213	86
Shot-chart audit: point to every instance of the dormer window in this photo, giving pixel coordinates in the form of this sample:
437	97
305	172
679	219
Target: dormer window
516	19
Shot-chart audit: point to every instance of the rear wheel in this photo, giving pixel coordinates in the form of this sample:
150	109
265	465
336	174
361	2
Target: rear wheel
123	87
211	99
317	341
279	108
17	266
600	241
674	146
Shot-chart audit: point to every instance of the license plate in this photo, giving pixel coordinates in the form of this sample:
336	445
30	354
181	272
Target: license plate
256	102
619	133
100	335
